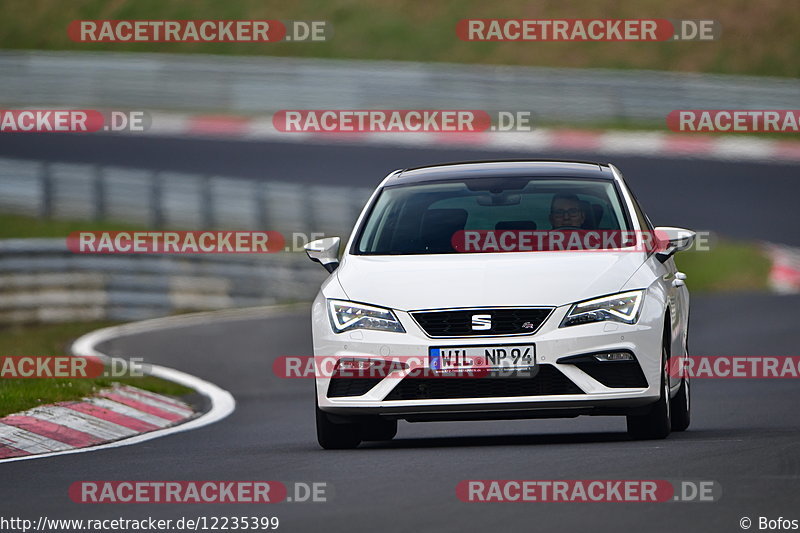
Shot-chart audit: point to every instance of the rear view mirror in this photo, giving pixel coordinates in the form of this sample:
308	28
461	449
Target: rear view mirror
324	251
502	198
674	240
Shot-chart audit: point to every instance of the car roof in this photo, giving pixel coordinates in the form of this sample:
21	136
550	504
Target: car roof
503	169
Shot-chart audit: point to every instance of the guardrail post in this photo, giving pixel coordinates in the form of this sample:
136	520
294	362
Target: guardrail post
310	217
46	179
99	189
157	200
207	199
261	197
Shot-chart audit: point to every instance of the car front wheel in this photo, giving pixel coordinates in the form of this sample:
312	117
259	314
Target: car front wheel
332	436
657	423
681	407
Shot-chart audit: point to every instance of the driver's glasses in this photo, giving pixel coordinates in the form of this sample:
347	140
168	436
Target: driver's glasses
573	212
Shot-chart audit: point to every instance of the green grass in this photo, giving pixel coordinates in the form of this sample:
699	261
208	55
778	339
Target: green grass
758	38
49	340
27	227
728	266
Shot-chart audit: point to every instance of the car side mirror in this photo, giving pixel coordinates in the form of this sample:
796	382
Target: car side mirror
324	251
673	240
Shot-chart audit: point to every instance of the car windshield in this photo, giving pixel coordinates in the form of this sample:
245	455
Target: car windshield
422	218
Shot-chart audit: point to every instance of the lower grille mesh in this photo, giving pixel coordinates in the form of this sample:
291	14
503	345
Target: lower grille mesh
547	381
341	387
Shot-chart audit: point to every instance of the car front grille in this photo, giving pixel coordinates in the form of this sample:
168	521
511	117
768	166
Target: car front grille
546	381
503	321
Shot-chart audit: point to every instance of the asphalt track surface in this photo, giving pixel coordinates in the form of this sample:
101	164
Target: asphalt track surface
745	434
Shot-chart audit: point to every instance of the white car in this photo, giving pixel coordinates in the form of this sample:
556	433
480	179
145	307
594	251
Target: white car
486	334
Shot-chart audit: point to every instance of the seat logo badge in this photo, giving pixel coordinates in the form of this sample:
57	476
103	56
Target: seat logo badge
481	322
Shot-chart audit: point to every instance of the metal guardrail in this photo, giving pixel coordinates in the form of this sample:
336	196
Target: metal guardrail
267	84
175	200
42	281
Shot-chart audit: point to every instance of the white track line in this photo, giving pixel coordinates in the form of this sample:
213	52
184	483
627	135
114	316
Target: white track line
222	401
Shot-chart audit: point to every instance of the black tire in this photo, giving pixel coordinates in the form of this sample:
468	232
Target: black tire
681	403
378	429
656	424
681	407
336	436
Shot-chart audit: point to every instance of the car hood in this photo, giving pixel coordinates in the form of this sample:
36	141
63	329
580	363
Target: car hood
477	280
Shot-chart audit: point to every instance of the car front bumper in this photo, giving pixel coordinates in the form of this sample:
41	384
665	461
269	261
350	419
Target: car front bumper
643	339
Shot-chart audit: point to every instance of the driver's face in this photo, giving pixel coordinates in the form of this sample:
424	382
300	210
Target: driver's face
566	213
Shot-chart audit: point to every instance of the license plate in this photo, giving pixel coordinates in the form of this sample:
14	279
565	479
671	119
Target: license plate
454	358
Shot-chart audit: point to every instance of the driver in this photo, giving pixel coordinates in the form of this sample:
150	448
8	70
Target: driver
566	212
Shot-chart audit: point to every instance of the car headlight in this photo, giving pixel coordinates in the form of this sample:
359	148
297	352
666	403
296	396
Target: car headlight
346	316
623	307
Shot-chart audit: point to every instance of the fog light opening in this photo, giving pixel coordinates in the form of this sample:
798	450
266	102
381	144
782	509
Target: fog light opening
614	356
